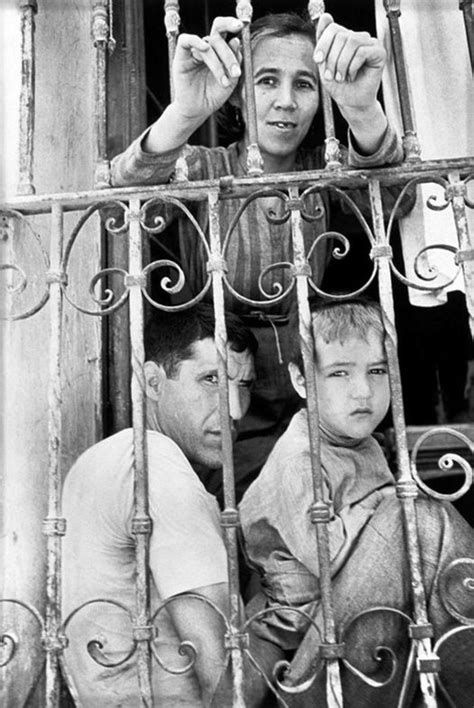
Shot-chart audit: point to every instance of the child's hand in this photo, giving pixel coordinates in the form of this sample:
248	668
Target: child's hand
350	64
206	70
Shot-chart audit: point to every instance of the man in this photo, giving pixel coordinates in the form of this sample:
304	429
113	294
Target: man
187	553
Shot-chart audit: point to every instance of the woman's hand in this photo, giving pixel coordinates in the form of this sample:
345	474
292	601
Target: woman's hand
350	68
206	70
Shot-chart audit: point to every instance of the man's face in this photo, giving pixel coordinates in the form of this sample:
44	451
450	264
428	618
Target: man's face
353	386
188	404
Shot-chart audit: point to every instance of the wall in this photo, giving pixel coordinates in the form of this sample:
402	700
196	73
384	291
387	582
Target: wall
63	161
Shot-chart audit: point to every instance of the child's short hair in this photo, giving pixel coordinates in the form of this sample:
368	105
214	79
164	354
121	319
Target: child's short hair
337	320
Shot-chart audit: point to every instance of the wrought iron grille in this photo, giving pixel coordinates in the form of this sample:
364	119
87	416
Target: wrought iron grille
135	224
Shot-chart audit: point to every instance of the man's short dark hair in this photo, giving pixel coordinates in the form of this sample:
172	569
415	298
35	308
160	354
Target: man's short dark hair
169	336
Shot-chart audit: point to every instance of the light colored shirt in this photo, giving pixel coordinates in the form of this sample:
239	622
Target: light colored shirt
186	552
279	536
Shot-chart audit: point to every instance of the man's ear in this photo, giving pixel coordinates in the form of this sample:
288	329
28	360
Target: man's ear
297	379
154	377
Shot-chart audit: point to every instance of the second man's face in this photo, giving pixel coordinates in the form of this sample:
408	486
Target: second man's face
188	407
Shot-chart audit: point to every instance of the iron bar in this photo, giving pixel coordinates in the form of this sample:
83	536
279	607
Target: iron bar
141	522
101	38
457	193
27	97
243	186
172	22
467	8
230	516
320	510
244	12
406	487
54	526
410	140
332	153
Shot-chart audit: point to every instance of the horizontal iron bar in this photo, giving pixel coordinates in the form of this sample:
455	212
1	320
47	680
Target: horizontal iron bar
242	186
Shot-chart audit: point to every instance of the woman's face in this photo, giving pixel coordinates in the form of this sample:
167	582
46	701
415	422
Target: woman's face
286	95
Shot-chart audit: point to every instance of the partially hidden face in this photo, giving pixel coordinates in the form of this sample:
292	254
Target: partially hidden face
352	384
286	95
189	403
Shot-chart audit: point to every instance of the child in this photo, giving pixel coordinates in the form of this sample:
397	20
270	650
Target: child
354	396
367	544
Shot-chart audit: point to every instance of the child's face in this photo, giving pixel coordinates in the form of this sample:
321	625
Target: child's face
353	386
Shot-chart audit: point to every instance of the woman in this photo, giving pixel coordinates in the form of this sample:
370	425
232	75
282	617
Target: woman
288	63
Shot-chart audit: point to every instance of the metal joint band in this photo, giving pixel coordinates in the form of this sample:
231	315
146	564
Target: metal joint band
428	666
421	631
301	269
144	634
230	518
463	256
332	651
382	251
29	3
294	204
319	513
141	525
458	189
54	642
237	640
216	264
226	184
406	489
132	280
54	527
56	276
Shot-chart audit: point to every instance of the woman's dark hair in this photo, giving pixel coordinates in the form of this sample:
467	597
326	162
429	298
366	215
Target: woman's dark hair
169	336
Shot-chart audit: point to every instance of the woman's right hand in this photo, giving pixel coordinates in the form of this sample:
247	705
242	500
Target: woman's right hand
206	70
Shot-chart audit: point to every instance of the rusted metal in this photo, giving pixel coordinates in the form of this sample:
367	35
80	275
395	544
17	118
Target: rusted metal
244	12
411	144
332	153
141	523
172	22
230	515
28	10
101	38
320	515
457	194
467	8
406	487
243	186
54	526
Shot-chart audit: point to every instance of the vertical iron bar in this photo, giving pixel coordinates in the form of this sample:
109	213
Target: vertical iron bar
27	97
244	12
141	522
101	38
332	153
54	527
230	515
213	137
421	632
320	511
172	22
467	8
457	192
411	145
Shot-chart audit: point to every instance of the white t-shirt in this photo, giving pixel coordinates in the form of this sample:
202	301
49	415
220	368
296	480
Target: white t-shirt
186	552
